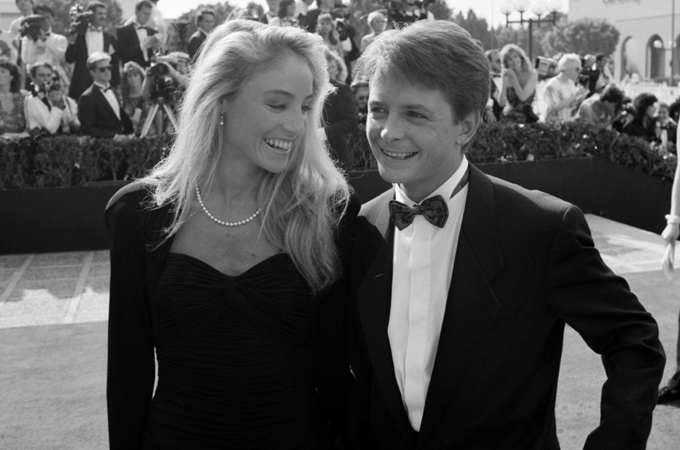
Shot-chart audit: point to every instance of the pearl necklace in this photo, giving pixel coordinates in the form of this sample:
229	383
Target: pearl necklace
221	222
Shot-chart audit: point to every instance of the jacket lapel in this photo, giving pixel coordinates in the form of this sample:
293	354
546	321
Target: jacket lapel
102	99
374	299
471	306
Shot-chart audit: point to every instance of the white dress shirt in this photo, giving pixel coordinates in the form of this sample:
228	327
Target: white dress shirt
111	98
94	40
141	35
38	115
423	267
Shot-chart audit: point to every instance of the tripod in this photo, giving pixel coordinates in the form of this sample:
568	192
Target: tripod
158	102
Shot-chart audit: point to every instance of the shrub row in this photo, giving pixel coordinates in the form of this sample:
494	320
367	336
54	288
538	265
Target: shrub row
64	161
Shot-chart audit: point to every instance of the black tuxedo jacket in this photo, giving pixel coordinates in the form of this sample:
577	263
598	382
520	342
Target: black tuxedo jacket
76	52
128	45
195	42
525	266
97	118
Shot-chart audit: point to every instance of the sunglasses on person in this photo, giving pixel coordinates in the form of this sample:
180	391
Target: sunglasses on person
103	69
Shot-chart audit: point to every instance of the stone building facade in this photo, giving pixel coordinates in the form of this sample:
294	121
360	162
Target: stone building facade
647	27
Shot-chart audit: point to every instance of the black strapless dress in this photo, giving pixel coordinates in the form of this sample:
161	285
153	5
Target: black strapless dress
235	360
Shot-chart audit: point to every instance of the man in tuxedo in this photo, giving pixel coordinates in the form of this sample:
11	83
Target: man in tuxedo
99	111
137	41
493	107
273	12
84	43
456	334
205	19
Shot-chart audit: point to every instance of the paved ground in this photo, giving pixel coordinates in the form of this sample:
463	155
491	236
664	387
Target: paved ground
53	312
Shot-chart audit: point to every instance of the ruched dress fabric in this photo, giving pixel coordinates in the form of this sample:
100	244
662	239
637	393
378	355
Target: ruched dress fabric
235	359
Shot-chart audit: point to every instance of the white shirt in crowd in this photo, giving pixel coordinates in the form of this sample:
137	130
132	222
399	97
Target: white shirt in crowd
50	50
38	115
423	266
557	90
15	27
142	34
95	41
157	22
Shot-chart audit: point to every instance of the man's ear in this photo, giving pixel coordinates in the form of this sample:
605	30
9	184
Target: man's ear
468	128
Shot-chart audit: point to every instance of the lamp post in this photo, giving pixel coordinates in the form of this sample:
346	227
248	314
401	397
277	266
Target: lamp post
538	7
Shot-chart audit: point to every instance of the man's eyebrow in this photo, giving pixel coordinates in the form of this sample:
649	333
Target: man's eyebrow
417	106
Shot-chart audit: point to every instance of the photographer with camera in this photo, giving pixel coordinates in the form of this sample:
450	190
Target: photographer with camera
48	110
87	38
40	44
99	111
205	20
137	41
166	84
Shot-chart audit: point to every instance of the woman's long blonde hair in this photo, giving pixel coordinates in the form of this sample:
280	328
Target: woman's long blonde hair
304	203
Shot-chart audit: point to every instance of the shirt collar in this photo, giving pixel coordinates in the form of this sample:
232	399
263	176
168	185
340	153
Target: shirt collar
445	190
102	86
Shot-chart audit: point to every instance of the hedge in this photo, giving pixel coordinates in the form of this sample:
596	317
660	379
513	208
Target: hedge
64	161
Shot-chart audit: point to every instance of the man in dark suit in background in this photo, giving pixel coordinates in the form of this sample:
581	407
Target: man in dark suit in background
85	42
99	111
205	20
456	335
136	41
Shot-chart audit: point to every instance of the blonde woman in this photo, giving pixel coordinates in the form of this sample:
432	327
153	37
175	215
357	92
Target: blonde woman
519	85
337	70
562	94
325	27
226	260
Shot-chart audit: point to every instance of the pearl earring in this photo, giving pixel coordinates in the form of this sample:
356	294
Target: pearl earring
221	119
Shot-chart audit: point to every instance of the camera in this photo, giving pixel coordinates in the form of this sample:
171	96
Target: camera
546	67
50	86
30	27
164	85
80	19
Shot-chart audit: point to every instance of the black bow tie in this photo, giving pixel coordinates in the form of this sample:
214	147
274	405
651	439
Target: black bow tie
141	27
104	89
93	28
433	209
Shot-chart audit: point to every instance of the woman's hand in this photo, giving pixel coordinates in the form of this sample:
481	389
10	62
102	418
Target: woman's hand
671	232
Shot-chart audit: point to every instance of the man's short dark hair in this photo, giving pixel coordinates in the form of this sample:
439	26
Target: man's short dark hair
92	6
600	57
34	68
16	2
143	4
43	10
201	13
612	94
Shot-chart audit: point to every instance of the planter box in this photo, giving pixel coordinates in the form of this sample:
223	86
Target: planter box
72	219
54	219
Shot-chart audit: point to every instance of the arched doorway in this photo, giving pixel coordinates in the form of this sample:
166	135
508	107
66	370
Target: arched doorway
629	64
656	58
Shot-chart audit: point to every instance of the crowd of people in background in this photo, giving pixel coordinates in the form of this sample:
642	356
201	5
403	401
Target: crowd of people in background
580	88
96	83
90	82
